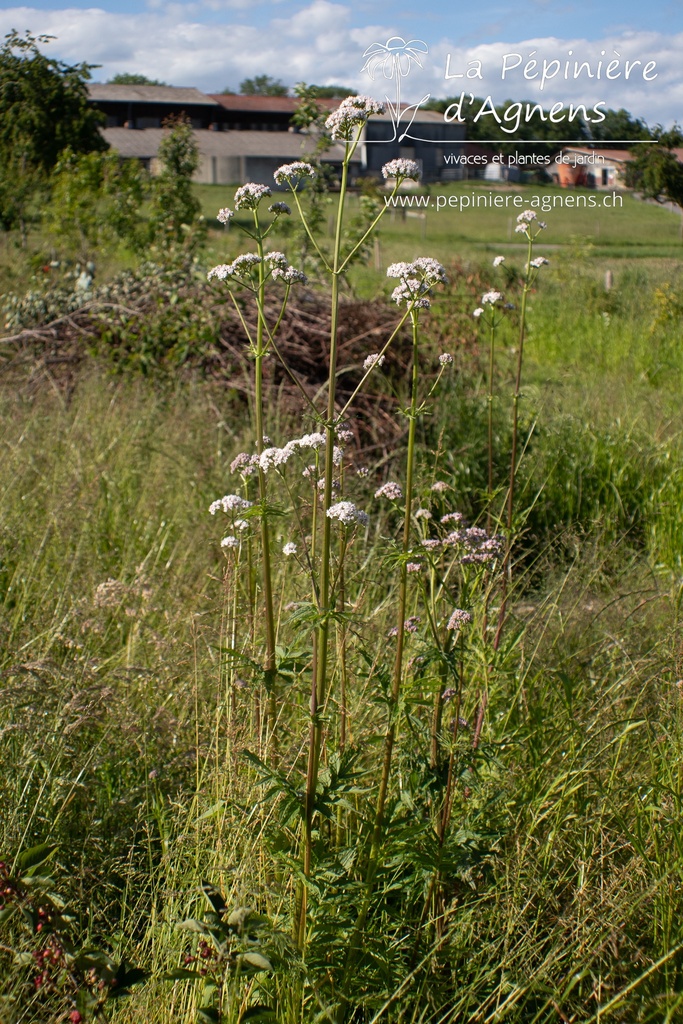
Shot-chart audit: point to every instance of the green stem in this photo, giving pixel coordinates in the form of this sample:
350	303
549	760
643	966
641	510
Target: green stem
269	669
490	424
319	680
513	454
390	735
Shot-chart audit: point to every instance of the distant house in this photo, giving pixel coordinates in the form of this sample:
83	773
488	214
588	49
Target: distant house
594	168
245	138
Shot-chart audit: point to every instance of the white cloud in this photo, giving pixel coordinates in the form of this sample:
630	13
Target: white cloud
320	43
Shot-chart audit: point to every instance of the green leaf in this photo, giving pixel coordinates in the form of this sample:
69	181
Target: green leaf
265	1014
32	858
182	974
214	897
256	961
208	1013
239	917
193	926
127	976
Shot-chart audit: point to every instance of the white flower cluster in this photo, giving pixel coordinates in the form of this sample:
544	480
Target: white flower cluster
273	457
373	360
244	265
424	267
410	293
390	490
241	266
278	208
477	312
348	514
525	220
225	215
244	463
458	619
248	196
446	359
229	503
401	169
490	298
289	548
540	261
290	275
498	260
423	513
351	114
293	172
230	542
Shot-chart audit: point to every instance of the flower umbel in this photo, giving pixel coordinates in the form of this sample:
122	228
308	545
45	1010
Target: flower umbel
351	114
248	196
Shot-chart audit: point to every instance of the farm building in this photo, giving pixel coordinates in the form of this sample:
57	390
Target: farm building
245	138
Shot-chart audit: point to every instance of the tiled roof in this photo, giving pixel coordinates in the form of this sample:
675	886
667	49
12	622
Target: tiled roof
149	94
266	104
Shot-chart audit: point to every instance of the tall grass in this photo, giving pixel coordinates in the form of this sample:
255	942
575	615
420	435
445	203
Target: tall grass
128	702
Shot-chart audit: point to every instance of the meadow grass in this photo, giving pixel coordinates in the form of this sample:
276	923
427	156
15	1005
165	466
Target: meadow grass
128	704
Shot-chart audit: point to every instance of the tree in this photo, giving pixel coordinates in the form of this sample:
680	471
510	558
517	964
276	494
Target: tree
263	85
175	207
620	125
96	200
44	109
332	92
656	172
44	105
131	78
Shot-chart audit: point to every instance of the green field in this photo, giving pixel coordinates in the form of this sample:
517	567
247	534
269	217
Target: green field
134	724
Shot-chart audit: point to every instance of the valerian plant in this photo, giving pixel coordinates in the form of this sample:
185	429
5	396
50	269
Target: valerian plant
300	511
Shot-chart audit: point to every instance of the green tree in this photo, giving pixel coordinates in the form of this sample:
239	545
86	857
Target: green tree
95	202
131	78
332	92
44	109
657	173
175	207
620	125
263	85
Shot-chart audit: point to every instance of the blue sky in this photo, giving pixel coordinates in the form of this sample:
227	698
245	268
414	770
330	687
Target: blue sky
217	43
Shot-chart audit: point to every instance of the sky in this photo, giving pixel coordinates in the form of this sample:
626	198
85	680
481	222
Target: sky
213	44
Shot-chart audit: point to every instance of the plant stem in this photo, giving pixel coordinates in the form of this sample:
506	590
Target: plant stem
390	735
319	679
490	425
269	669
513	454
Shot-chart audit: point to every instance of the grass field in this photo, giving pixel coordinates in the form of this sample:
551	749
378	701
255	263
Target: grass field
131	716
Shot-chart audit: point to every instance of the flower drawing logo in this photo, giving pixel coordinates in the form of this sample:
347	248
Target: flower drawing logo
395	59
